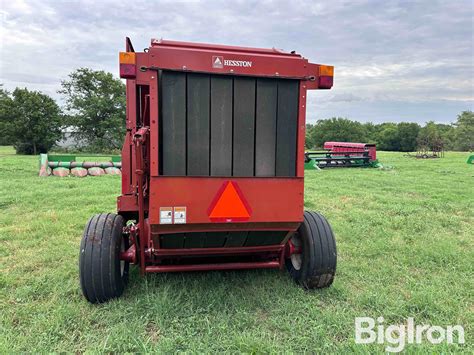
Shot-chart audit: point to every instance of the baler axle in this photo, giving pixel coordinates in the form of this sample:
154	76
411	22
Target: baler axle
220	266
130	255
218	251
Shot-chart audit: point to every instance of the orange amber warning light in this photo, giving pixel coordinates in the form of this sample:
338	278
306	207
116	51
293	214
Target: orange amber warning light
127	62
326	76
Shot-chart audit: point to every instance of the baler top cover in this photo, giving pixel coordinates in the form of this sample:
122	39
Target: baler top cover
212	58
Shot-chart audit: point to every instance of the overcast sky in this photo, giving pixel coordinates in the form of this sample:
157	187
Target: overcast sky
394	60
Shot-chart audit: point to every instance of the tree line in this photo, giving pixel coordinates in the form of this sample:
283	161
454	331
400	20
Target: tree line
403	136
94	111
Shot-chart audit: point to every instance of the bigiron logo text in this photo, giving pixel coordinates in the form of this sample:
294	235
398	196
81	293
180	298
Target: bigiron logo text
220	62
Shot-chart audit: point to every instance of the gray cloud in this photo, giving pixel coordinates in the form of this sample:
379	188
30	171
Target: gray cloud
344	97
394	60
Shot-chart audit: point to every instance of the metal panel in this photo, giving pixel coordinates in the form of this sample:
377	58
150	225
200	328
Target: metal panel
195	240
287	117
244	127
270	199
265	127
173	123
215	239
221	126
172	241
224	126
200	59
236	239
204	239
198	97
259	238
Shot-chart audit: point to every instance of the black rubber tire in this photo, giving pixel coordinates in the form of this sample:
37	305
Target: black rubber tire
99	258
319	256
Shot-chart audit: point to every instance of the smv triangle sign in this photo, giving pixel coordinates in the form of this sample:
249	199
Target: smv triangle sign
229	205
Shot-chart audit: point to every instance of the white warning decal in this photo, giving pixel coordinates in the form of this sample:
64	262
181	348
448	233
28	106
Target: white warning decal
180	215
166	215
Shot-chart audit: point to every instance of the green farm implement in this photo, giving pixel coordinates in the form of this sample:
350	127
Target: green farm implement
342	154
79	165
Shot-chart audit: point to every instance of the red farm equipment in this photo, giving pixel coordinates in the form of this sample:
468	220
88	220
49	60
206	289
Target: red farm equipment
212	169
342	154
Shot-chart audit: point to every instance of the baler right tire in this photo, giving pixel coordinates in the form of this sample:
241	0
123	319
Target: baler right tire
103	275
315	266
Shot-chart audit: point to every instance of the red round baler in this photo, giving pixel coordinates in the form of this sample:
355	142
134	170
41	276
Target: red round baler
212	169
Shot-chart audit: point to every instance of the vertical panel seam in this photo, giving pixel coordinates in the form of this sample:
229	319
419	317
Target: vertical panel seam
276	129
255	132
210	124
232	134
297	108
185	124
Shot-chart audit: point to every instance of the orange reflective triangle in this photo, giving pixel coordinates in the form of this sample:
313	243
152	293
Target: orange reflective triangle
230	205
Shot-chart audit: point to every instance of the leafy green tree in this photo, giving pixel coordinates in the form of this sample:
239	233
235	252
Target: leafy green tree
464	131
308	142
388	137
371	130
6	117
31	119
447	135
95	107
407	134
337	129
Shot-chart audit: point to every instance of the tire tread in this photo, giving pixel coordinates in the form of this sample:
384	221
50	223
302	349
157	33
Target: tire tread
320	256
98	258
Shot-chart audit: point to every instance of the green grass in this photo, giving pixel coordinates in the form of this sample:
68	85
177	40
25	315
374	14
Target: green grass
405	249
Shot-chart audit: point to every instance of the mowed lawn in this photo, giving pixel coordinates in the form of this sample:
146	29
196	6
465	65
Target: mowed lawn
405	249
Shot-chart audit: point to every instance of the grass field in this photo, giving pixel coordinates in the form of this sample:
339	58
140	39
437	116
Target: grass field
405	249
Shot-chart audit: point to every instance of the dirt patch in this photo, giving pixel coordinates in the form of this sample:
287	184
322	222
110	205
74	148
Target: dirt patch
153	332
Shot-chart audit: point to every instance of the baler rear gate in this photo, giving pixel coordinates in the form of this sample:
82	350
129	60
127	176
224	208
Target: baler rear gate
213	167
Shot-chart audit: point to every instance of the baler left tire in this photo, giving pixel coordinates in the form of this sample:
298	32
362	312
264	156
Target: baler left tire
103	275
315	265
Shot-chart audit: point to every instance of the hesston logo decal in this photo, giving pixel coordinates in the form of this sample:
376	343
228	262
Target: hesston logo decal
217	62
220	62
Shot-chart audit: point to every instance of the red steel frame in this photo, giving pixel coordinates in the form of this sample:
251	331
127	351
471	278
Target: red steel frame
276	202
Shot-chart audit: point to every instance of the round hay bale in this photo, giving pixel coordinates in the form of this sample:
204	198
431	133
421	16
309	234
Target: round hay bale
96	171
61	172
113	171
79	172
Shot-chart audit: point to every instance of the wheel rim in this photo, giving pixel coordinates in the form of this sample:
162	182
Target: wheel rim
122	262
296	259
